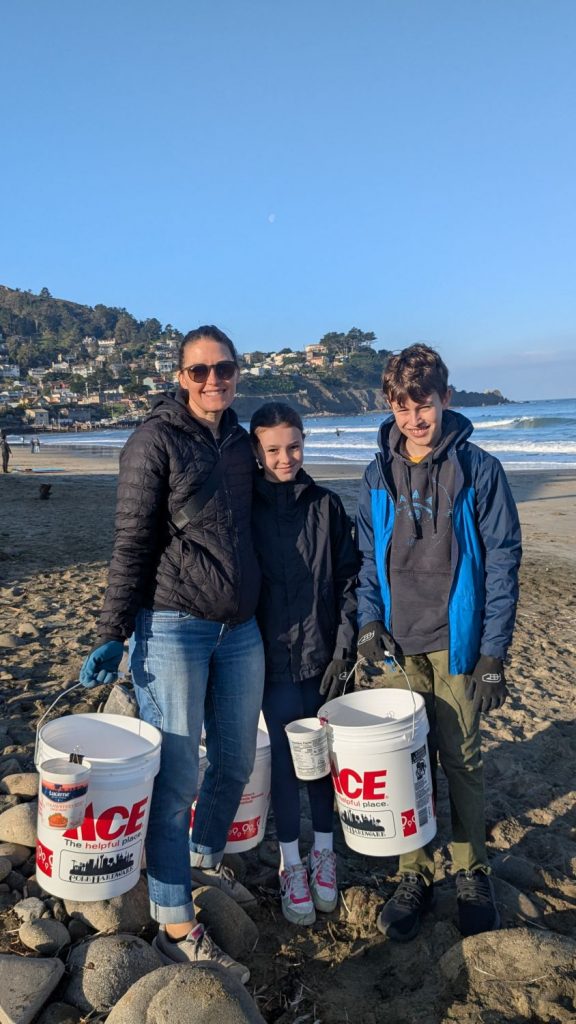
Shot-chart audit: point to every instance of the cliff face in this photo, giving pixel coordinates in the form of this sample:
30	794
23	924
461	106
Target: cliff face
318	400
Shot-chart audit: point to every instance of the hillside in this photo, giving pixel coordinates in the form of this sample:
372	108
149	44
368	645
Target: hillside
37	330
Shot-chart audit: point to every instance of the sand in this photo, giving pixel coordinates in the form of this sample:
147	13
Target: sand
53	557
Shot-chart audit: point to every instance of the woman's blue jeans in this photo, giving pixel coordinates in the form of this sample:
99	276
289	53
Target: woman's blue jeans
186	672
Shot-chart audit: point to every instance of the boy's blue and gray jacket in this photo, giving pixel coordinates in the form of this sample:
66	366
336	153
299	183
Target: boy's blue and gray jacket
485	547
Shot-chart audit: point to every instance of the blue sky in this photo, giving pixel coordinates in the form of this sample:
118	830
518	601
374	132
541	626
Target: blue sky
284	170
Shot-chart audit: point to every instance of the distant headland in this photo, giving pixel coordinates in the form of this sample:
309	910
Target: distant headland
63	364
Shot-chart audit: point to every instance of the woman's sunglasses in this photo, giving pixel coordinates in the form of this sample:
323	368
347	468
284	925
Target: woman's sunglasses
200	372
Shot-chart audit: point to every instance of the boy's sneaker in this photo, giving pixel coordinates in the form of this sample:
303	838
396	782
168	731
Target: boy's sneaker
401	917
297	905
477	910
222	878
198	948
322	874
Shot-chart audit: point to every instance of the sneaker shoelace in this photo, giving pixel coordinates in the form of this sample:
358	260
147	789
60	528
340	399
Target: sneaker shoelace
323	867
410	891
205	945
296	883
473	887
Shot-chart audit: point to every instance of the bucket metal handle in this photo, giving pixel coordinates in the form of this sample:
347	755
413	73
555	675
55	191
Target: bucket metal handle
391	657
63	694
47	712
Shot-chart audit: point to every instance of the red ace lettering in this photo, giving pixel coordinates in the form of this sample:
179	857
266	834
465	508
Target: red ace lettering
368	786
111	824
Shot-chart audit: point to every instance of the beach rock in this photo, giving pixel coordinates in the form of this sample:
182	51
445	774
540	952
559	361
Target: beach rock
503	966
22	784
228	923
517	870
78	930
6	802
127	913
59	1013
27	628
9	766
103	969
25	986
5	867
515	905
18	824
8	641
45	936
29	909
16	880
121	701
269	853
205	995
16	854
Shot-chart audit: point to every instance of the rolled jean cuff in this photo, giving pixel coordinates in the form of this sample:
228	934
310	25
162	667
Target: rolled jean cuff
172	915
201	858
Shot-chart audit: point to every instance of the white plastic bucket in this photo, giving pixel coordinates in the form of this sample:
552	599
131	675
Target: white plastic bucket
309	748
101	858
62	793
249	825
381	770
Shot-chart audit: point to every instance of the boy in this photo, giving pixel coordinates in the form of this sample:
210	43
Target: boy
439	536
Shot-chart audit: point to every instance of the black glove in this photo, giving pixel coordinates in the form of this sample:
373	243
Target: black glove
375	642
486	687
334	678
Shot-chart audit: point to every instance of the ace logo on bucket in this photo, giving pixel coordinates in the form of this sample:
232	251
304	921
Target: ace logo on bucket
409	822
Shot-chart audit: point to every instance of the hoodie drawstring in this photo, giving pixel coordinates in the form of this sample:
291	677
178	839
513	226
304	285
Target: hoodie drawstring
408	482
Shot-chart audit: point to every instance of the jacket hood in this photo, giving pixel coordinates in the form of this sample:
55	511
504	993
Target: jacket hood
272	491
173	406
456	429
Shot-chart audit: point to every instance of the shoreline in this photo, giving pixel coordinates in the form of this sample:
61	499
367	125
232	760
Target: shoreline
102	459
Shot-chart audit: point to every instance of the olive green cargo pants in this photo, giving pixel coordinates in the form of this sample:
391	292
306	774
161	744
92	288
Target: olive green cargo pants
454	738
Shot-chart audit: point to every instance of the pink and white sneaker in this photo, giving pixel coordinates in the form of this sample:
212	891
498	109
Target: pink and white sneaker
297	905
322	873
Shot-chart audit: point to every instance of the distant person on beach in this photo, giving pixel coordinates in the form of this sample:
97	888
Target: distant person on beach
307	615
6	451
439	537
183	585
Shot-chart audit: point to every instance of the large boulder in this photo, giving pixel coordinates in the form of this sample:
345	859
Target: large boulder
26	985
228	924
525	970
202	995
127	913
103	969
18	824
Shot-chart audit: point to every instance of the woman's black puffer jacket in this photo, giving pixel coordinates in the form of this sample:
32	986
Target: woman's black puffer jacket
208	568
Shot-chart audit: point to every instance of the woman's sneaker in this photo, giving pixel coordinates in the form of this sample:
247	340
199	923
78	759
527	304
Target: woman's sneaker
222	878
297	905
198	948
322	874
401	917
477	911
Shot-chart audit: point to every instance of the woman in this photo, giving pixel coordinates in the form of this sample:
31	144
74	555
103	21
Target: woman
183	584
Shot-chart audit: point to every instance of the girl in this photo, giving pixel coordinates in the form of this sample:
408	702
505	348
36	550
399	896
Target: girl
307	614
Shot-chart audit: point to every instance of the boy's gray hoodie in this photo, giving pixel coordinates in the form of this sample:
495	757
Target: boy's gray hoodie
420	554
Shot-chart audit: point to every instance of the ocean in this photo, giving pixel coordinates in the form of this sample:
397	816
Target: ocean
528	435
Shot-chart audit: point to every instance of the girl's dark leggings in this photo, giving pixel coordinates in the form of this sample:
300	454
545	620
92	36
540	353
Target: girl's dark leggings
284	702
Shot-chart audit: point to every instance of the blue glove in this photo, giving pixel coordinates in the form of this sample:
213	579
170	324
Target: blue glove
102	665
